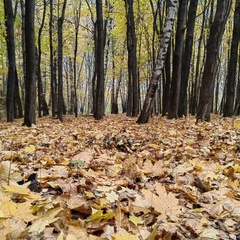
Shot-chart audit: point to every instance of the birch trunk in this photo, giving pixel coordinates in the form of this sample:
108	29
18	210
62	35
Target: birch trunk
151	92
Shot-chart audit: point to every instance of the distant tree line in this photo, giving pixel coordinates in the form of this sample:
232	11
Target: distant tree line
139	57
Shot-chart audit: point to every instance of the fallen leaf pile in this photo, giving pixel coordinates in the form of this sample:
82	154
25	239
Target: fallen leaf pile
114	179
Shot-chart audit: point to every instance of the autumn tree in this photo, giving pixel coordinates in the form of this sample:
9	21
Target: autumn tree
200	57
12	80
77	16
212	59
133	99
166	34
232	66
99	111
42	104
52	69
30	82
60	59
177	60
186	58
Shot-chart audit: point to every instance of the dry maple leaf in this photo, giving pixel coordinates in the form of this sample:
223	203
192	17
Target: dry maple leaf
10	209
164	203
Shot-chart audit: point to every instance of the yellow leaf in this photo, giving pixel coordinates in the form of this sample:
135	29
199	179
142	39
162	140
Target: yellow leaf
237	125
89	194
96	216
155	146
30	149
7	167
21	191
49	160
135	220
124	237
104	189
46	219
10	209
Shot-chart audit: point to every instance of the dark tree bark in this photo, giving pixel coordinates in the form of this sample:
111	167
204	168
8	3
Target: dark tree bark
187	56
76	22
42	104
30	84
195	83
166	81
228	110
114	106
210	68
237	100
115	93
99	111
133	99
52	70
9	22
60	60
177	60
92	87
22	4
151	92
18	109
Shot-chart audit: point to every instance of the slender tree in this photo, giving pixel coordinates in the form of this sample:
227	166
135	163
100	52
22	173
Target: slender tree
60	62
166	34
76	23
9	22
132	102
22	4
99	111
177	60
52	63
210	68
42	104
199	55
30	84
187	56
228	110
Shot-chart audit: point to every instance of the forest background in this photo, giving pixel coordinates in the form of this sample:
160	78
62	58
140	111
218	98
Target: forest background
102	57
78	178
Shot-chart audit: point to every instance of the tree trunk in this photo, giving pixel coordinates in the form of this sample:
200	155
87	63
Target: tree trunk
9	22
22	4
166	79
237	100
210	68
177	61
60	59
42	104
99	111
133	99
77	22
30	85
195	82
187	56
18	110
166	34
228	110
53	79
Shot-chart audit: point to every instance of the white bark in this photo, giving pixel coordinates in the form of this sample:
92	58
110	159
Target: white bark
160	62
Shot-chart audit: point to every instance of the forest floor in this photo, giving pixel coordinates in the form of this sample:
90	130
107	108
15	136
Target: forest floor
115	179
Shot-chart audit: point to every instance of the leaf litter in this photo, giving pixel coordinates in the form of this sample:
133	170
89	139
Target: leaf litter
114	179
